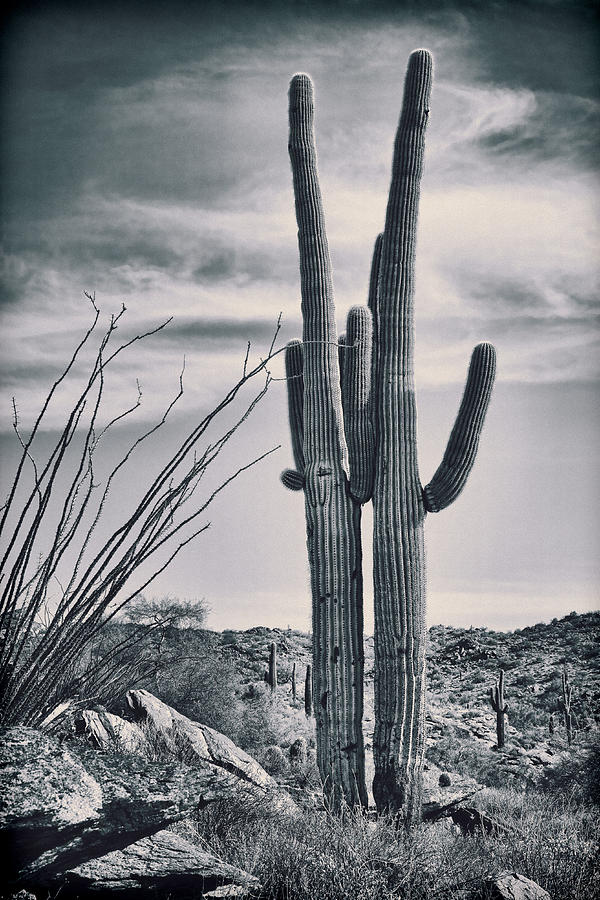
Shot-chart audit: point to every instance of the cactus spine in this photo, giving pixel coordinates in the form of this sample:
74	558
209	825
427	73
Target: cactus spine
273	667
354	439
499	707
567	696
308	692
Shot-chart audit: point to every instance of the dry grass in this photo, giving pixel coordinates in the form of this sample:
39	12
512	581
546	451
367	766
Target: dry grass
322	857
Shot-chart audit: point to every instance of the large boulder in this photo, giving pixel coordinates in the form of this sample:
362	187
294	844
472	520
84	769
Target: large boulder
61	807
164	862
197	743
109	732
512	886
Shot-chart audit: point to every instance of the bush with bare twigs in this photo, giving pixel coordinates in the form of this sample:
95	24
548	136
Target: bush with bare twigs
52	524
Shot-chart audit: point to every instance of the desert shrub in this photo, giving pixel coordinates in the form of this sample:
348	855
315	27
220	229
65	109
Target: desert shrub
466	758
256	727
576	776
316	856
525	679
65	574
298	751
204	688
184	666
273	760
228	636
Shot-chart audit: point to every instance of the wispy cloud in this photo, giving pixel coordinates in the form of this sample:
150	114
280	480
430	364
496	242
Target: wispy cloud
175	191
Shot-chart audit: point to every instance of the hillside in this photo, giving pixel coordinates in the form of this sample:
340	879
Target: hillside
463	665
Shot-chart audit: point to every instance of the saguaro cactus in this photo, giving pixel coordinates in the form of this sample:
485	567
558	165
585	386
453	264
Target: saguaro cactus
354	438
567	697
294	687
320	452
499	707
273	666
308	692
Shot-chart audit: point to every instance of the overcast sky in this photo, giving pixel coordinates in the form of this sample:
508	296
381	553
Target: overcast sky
145	158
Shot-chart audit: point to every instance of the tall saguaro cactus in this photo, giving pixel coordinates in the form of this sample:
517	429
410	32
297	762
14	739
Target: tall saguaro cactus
273	667
321	456
567	697
353	421
308	692
499	707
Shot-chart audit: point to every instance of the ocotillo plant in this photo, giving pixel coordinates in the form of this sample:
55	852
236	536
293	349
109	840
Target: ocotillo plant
499	707
354	439
308	692
567	696
273	666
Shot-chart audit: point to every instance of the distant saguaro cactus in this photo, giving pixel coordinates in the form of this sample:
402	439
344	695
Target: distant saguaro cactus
294	687
354	439
308	692
273	666
551	724
499	707
567	697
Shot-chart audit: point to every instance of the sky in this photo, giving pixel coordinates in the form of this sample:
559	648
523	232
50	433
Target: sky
145	160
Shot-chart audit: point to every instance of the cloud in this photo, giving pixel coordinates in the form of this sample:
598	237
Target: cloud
163	180
221	332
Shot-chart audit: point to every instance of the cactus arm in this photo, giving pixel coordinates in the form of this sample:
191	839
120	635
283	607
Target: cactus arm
295	392
372	302
324	442
398	509
375	273
356	402
332	517
452	474
292	480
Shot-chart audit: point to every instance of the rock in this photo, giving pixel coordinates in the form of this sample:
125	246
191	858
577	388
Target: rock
195	742
512	886
445	780
61	807
471	820
109	732
164	862
541	757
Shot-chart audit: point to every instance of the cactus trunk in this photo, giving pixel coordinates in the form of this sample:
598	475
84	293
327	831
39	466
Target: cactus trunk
354	439
332	516
567	695
308	692
398	508
500	708
273	667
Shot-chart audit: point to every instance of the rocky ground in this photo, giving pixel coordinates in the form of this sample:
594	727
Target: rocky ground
462	667
100	803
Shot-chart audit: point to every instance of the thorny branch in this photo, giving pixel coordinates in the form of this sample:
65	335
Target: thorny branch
53	522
